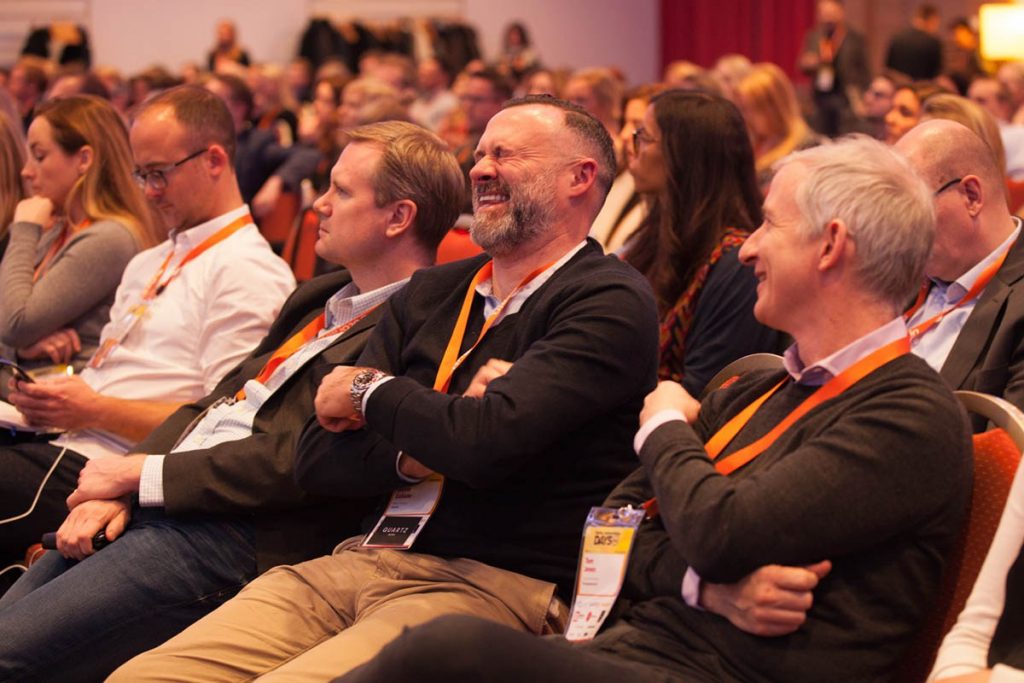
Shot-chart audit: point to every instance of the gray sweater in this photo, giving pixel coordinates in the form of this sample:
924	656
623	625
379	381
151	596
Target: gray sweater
76	291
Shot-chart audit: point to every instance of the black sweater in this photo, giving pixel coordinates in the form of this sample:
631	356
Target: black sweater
548	440
877	480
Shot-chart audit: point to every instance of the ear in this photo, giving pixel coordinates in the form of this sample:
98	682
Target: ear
834	242
974	194
85	159
584	175
217	159
402	216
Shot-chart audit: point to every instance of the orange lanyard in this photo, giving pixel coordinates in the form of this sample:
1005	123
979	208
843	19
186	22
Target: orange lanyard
979	286
835	386
828	47
155	287
298	340
451	360
65	234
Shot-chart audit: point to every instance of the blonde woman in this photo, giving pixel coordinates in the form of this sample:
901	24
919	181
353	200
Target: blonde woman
12	158
71	240
776	127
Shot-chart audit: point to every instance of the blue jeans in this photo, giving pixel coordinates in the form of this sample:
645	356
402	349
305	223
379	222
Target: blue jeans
78	621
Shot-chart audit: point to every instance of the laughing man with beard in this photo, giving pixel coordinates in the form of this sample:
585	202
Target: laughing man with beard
516	376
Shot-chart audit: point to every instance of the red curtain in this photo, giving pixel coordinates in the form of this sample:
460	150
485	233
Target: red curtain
701	31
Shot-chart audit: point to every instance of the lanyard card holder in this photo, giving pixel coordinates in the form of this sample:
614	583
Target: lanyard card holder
407	513
607	542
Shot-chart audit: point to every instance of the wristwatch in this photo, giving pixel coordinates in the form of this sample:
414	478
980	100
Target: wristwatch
360	384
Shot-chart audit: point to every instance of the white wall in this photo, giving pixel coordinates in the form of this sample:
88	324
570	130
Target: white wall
134	34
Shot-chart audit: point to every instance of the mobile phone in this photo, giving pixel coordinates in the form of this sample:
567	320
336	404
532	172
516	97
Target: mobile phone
19	372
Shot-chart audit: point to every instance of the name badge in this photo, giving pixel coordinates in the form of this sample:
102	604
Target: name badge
608	536
407	513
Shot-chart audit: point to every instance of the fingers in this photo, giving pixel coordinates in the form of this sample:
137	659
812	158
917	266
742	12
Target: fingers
117	525
821	569
488	372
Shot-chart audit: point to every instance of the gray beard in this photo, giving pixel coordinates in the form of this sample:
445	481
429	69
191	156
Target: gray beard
529	212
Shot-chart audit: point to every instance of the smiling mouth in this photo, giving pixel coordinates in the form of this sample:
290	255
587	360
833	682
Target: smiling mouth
490	199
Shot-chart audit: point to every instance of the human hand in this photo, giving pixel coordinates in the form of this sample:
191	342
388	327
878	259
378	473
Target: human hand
333	402
106	478
489	371
74	538
60	347
62	402
264	201
983	676
38	210
309	125
670	396
770	601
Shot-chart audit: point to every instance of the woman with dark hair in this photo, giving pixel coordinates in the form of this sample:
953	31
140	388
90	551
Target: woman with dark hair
518	56
693	158
907	106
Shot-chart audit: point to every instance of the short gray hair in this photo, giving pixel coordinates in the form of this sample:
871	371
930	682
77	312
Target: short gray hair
886	206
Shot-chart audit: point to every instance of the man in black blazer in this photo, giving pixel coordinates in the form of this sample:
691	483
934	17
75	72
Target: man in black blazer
979	345
221	506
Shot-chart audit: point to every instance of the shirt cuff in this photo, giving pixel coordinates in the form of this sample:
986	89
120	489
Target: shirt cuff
691	589
398	470
655	421
151	482
369	390
1006	674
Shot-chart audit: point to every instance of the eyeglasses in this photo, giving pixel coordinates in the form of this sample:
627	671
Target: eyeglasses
156	178
640	136
948	185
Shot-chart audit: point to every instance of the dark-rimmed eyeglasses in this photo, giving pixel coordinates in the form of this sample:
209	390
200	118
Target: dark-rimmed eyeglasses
948	185
641	137
156	178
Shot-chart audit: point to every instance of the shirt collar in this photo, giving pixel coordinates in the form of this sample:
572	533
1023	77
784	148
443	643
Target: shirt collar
349	303
190	237
829	367
486	288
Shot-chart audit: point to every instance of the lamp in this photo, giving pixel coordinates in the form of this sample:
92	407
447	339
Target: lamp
1002	31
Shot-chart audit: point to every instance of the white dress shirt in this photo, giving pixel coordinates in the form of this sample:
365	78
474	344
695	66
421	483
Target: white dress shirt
207	319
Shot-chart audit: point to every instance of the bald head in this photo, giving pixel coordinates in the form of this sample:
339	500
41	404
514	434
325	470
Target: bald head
972	217
942	150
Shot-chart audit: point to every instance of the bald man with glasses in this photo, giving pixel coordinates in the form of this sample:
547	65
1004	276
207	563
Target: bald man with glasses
186	312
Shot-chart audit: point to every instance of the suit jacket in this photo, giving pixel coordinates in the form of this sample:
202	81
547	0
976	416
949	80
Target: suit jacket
988	355
851	62
253	476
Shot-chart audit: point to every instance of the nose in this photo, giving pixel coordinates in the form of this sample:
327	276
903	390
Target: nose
27	171
321	206
748	250
482	171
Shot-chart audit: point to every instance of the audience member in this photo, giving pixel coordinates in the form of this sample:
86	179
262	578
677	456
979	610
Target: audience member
273	107
834	56
435	101
529	432
599	92
517	54
805	471
728	72
12	186
263	166
774	122
1011	74
226	50
76	82
624	209
545	82
961	59
27	84
482	97
985	644
877	103
318	127
222	507
185	313
694	160
70	241
994	96
906	108
361	96
298	78
916	52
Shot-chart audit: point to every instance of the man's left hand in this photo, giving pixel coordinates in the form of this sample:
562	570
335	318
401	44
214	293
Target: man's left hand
63	402
670	396
333	402
74	538
106	478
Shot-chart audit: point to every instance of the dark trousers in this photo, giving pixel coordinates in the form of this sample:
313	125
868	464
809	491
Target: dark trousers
460	648
23	469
